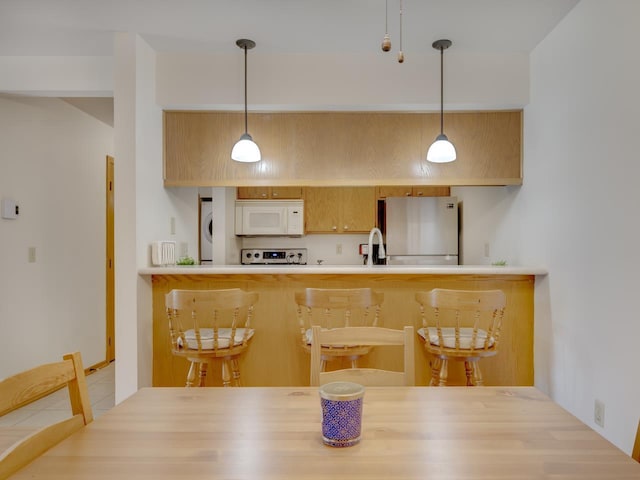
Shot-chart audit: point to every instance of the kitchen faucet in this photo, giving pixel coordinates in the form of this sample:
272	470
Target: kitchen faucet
381	253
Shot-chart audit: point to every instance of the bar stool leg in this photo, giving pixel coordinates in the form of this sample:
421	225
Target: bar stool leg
202	373
235	367
468	370
191	376
354	361
226	373
444	372
435	371
477	374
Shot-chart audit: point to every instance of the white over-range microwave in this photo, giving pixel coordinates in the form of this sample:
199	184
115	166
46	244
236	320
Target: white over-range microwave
270	217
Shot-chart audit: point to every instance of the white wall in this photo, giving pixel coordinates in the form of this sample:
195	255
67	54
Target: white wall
576	212
333	82
53	163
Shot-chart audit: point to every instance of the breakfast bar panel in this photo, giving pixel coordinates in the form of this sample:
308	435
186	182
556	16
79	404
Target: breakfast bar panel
275	357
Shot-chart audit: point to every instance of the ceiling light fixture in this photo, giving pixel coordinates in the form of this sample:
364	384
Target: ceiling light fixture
245	149
442	150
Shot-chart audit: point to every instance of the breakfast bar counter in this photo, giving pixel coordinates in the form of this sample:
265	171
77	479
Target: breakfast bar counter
275	357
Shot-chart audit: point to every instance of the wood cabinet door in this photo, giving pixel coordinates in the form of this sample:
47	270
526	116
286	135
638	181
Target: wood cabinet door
273	193
358	208
322	209
251	193
385	191
428	191
286	192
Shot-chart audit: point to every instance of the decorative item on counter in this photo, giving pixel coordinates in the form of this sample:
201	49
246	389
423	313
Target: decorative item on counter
499	263
186	260
341	413
163	253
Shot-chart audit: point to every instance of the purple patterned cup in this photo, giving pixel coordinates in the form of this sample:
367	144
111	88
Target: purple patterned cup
341	413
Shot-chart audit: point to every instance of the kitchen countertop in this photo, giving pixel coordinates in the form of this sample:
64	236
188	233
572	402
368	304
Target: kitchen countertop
343	269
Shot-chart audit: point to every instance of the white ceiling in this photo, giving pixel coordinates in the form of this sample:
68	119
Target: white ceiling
85	27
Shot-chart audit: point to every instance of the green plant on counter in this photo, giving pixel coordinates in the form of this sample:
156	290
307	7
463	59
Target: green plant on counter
186	261
499	263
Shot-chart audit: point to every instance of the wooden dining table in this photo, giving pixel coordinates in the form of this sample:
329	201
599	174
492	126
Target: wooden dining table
275	433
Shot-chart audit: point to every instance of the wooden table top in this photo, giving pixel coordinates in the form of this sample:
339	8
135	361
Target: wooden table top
274	433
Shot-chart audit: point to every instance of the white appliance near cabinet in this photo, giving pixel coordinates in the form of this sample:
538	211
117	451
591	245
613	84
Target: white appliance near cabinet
206	231
421	230
270	218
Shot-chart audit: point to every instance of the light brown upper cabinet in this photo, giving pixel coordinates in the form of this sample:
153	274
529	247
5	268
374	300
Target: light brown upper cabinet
339	209
412	191
342	148
271	193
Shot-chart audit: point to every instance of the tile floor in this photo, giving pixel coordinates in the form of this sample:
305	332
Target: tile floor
56	406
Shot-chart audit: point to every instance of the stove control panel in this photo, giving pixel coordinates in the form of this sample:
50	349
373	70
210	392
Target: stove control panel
273	256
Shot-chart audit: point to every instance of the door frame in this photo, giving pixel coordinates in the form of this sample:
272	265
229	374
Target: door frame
110	263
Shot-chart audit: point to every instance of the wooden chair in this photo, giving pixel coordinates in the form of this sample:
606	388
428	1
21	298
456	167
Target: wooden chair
27	387
206	325
337	307
635	453
358	336
463	325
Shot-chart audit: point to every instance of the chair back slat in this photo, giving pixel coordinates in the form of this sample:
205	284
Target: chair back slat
363	336
635	453
27	387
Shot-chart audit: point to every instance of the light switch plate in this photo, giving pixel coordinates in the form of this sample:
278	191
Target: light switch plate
9	209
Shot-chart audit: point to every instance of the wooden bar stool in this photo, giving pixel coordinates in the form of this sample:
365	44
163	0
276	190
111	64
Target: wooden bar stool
206	325
337	307
461	325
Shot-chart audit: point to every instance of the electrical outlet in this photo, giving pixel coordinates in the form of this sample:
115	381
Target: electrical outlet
338	248
172	225
598	413
487	250
32	255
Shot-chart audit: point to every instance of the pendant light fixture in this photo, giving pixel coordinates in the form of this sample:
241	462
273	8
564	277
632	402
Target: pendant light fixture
400	53
386	41
442	150
245	149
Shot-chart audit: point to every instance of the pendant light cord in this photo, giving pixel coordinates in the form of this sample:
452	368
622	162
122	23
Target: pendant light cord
246	129
441	91
401	25
386	15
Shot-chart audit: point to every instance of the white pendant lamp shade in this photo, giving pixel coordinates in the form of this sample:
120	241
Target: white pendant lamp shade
245	150
442	150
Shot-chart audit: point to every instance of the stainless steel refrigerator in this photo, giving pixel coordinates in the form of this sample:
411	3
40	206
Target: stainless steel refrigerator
421	230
